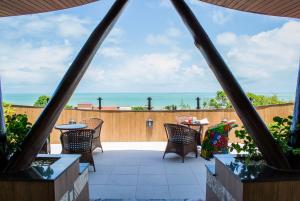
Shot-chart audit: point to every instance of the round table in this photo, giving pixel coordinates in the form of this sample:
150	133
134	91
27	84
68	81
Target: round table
69	127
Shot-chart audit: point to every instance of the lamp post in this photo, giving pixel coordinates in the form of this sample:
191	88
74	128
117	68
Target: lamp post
149	103
198	103
99	103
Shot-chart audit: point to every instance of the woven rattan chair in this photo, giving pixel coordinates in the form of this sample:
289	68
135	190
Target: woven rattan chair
95	124
79	142
181	140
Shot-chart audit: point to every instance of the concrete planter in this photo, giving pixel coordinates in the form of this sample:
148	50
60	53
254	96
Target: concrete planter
51	178
232	180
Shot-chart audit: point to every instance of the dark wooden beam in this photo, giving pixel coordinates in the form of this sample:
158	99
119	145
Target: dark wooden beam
46	121
245	110
295	129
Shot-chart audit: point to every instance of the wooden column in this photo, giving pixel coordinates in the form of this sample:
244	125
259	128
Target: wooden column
42	128
295	127
245	110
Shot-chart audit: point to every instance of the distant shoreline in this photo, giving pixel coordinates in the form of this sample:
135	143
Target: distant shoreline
131	99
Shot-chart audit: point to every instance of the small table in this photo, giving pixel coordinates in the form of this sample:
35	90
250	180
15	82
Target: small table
68	127
200	129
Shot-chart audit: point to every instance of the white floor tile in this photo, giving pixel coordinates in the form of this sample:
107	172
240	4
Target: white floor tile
126	170
152	192
158	169
152	180
112	192
181	179
126	180
185	192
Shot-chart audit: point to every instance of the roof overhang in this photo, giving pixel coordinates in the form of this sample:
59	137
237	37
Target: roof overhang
24	7
283	8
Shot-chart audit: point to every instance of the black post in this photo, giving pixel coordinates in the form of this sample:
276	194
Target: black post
270	150
99	101
47	119
3	137
295	129
198	103
149	103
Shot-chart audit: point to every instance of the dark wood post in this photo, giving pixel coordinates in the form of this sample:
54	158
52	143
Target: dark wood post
3	138
198	103
295	129
149	103
42	128
270	150
99	101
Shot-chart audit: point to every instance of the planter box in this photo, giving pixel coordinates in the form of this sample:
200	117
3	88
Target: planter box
51	178
232	180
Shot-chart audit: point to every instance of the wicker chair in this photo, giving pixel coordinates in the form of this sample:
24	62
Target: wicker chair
95	124
79	142
181	140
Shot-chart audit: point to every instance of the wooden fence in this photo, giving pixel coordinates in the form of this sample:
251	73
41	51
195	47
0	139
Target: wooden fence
131	125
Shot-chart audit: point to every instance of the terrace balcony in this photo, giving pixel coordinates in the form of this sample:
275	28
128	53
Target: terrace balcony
136	171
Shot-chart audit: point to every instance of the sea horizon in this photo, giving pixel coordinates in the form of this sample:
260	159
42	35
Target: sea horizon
128	99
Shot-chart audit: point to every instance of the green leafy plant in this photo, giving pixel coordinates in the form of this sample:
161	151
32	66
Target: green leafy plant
279	129
170	107
42	101
69	107
138	108
222	101
17	127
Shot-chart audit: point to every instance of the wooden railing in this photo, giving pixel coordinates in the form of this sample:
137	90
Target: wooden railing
131	125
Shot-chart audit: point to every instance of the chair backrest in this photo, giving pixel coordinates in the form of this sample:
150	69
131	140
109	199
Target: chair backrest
95	124
180	134
77	141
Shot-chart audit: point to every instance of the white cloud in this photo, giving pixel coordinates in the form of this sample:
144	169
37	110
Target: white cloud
220	17
165	3
227	38
24	63
116	36
112	52
66	26
169	37
264	54
147	72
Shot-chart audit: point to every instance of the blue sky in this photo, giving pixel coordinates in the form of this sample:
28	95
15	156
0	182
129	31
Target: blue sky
149	50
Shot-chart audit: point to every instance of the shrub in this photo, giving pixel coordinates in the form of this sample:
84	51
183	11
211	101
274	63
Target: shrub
170	107
42	101
17	127
279	129
138	108
222	101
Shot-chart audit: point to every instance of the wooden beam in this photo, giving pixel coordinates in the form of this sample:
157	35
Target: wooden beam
270	150
46	121
295	130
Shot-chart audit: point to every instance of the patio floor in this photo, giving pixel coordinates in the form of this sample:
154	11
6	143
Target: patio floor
136	171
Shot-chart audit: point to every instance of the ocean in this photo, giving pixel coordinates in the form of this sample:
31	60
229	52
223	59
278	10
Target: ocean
159	100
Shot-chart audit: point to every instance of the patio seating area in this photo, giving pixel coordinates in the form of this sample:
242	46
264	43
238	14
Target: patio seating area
136	170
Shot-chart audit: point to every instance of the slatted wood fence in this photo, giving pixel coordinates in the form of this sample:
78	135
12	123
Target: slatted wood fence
131	125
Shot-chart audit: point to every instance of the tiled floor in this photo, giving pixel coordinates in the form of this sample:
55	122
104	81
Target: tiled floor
136	170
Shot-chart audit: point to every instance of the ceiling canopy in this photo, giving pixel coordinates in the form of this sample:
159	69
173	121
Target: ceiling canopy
23	7
283	8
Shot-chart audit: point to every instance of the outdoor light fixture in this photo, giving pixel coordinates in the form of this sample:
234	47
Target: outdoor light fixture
149	123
